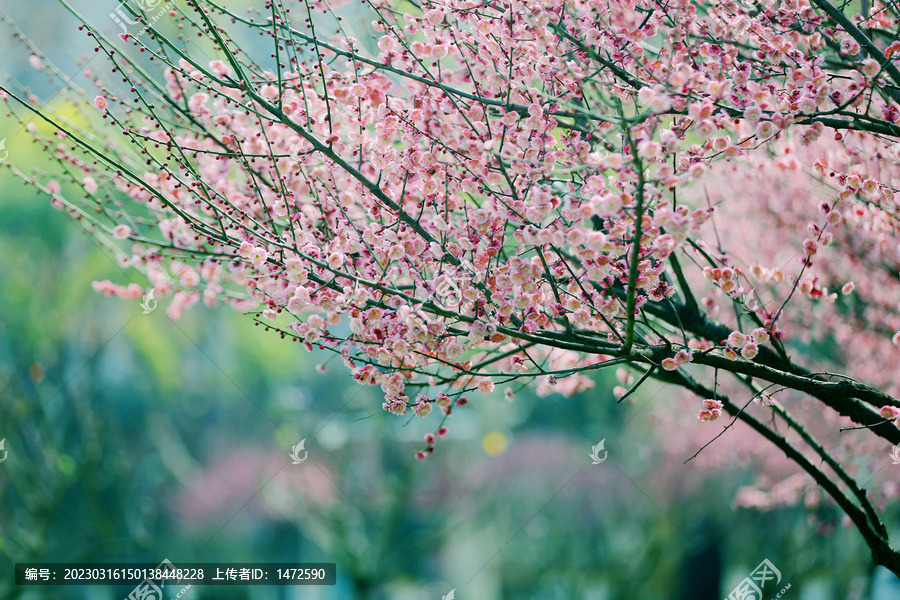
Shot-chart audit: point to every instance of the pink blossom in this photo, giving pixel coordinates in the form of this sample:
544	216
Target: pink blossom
890	412
683	357
121	232
485	386
130	292
709	415
189	278
649	149
849	46
422	409
736	339
335	260
765	129
90	185
105	287
760	336
258	256
395	406
705	129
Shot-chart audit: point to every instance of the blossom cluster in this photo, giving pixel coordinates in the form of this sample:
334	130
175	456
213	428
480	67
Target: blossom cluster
521	190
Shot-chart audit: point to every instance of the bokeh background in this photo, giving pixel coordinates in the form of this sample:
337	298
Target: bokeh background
131	437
